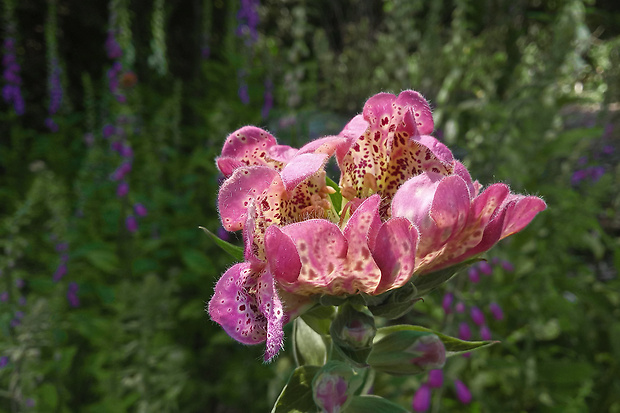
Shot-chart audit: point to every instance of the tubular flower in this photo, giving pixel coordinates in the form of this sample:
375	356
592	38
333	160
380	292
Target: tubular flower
404	209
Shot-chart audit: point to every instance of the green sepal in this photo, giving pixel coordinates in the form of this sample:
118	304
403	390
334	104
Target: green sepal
398	303
352	334
337	197
233	250
320	318
428	282
296	397
373	404
453	345
308	346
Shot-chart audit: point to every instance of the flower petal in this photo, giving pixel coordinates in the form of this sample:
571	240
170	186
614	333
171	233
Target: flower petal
301	167
321	249
235	309
450	207
360	272
240	190
524	210
420	108
270	305
248	145
282	255
394	253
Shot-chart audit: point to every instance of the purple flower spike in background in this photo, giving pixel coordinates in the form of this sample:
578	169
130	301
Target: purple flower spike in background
422	399
462	392
131	223
460	307
477	315
485	268
122	190
140	210
497	311
108	130
474	275
61	271
485	332
507	266
4	296
4	360
72	297
435	378
464	331
446	303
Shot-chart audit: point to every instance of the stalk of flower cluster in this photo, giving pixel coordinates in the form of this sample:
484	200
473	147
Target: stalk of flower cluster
11	90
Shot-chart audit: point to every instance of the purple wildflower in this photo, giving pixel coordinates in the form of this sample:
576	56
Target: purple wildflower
19	283
4	296
126	151
435	378
121	171
11	92
4	360
507	266
608	149
21	301
62	246
108	130
248	18
446	303
113	49
19	315
422	399
55	94
15	322
223	234
578	176
496	310
485	268
474	275
477	315
131	223
462	392
596	172
460	307
464	331
122	190
140	210
485	332
72	297
60	272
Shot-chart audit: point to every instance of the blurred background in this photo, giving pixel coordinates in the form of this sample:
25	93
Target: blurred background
112	114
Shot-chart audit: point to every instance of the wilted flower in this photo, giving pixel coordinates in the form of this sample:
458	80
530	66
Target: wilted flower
403	209
422	399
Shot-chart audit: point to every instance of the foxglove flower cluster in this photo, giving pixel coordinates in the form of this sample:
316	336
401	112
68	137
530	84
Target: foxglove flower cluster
403	210
247	18
11	91
55	94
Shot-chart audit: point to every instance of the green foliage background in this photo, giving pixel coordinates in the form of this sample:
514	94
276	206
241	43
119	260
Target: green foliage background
522	91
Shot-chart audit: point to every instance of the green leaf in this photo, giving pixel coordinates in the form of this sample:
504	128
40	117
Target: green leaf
320	318
453	345
235	251
309	347
103	259
337	197
296	397
373	404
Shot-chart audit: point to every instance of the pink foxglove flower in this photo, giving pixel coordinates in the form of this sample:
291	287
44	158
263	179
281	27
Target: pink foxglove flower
407	209
422	399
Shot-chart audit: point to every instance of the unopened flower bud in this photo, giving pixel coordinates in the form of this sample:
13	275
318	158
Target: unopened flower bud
352	332
334	385
407	352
